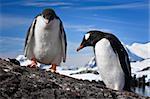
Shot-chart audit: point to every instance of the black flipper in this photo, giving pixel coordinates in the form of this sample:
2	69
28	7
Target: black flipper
30	34
63	40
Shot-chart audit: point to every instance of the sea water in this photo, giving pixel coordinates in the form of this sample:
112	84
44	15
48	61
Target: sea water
144	91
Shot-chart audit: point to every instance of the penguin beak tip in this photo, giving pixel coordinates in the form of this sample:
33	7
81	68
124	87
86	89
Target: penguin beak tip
47	21
79	48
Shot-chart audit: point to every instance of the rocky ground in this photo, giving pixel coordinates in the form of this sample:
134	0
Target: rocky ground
18	82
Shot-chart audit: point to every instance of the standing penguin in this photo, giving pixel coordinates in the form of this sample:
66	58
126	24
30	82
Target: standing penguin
111	58
46	40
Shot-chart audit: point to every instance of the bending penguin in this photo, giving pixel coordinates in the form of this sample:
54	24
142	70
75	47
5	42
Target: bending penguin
46	40
111	58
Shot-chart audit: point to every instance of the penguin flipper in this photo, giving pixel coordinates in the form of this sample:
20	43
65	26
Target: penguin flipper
63	40
29	37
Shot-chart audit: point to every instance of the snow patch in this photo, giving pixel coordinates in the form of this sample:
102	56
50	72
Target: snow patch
141	50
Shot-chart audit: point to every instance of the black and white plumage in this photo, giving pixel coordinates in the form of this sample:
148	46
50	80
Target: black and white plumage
46	39
111	58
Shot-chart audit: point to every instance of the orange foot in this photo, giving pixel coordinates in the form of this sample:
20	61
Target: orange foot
53	68
33	64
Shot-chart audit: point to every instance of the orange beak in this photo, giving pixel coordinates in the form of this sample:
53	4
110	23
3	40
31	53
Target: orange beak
79	48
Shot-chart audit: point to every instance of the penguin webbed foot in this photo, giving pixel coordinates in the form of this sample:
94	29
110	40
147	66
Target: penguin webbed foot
33	64
53	68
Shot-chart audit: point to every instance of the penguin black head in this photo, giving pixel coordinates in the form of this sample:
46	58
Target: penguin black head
90	39
48	15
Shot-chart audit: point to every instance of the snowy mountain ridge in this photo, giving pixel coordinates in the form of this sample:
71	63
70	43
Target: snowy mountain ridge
141	50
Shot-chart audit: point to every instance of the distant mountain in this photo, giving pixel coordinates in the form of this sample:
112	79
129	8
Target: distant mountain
141	50
133	57
91	63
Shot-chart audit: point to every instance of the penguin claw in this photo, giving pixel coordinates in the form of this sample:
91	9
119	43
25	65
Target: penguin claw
53	71
32	65
53	68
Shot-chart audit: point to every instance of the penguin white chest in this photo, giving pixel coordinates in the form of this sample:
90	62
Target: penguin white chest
47	41
109	66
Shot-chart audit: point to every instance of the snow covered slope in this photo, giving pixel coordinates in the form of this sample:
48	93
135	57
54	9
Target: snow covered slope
91	63
136	68
141	50
132	56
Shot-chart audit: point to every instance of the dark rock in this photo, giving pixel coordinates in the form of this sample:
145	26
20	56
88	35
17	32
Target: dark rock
18	82
144	69
86	71
14	61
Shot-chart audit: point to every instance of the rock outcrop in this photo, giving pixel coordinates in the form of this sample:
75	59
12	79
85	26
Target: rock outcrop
18	82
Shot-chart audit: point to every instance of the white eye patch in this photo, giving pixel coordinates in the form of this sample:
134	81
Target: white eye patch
87	36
